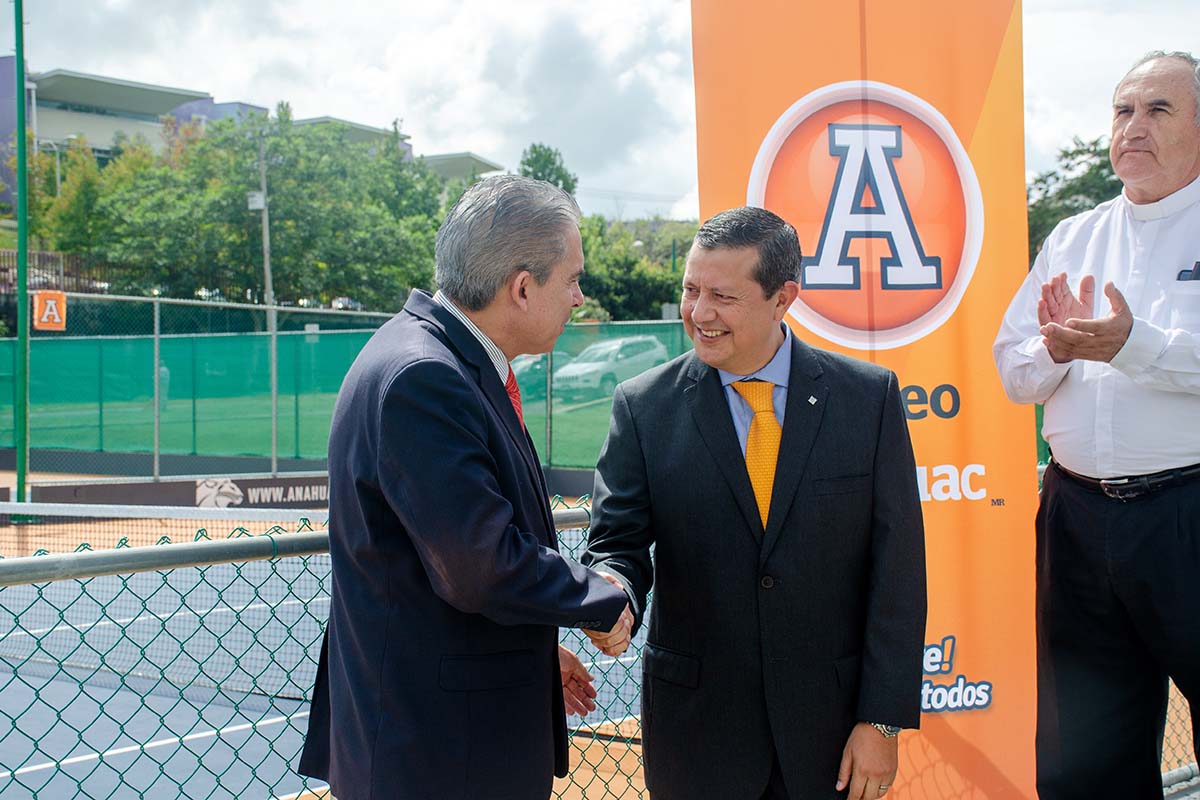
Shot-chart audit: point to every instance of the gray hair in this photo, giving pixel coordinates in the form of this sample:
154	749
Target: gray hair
1178	55
501	225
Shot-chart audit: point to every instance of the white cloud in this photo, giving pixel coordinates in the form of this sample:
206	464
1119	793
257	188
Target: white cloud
609	84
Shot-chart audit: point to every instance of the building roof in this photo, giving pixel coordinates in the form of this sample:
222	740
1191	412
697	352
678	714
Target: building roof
358	131
97	91
460	165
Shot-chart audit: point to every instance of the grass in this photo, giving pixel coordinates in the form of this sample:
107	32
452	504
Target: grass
238	425
241	426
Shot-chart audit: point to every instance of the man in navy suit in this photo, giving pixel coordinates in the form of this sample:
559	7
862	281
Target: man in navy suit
442	676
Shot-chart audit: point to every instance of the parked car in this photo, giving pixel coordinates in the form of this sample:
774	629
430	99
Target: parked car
597	370
530	371
346	304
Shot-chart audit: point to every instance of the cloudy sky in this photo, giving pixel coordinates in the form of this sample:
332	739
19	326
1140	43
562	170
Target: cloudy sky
608	83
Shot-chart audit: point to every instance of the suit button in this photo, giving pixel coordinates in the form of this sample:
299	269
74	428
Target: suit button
767	582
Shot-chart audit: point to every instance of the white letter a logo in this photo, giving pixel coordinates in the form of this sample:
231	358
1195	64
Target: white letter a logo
50	315
866	173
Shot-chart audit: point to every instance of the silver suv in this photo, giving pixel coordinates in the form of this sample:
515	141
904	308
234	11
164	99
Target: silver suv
597	370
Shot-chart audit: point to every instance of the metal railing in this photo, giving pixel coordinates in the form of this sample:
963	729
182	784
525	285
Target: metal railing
185	670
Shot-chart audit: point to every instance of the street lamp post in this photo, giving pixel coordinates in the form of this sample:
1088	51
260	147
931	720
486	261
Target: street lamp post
258	201
57	163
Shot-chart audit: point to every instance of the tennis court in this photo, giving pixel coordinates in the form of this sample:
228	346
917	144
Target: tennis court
194	682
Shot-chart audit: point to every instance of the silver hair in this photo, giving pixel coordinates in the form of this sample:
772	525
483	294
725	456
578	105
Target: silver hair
501	225
1178	55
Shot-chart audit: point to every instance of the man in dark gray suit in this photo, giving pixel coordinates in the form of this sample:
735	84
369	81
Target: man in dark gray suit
777	484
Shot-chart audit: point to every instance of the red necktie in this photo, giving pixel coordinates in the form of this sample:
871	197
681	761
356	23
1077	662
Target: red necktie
514	395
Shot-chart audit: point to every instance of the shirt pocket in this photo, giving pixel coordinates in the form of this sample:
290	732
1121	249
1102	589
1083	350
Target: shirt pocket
1184	301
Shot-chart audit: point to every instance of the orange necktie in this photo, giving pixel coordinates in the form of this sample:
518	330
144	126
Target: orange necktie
762	444
514	395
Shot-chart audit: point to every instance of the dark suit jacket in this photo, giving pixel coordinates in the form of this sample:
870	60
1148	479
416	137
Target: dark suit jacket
441	674
765	641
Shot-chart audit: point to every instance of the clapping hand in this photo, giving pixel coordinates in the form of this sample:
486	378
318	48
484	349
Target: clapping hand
1068	328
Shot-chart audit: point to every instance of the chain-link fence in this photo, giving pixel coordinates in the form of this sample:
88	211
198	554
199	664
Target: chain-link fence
134	379
166	672
148	386
567	394
186	670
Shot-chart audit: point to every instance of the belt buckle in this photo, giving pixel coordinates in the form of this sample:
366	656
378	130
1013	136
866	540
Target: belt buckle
1125	489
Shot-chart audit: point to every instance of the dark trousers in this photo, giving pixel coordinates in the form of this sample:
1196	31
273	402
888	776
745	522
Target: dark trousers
775	789
1118	611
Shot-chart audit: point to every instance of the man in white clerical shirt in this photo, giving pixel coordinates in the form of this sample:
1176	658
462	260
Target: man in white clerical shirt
1118	527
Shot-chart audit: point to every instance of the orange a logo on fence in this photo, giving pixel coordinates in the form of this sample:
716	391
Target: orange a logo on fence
887	207
49	311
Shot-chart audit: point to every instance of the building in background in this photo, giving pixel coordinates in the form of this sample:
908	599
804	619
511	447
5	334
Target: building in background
63	105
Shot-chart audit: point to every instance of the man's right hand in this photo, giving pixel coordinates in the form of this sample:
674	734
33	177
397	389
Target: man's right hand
616	641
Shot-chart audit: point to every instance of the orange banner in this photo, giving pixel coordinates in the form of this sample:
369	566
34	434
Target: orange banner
890	135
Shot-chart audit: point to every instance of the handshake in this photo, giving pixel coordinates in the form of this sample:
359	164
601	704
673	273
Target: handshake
579	694
616	641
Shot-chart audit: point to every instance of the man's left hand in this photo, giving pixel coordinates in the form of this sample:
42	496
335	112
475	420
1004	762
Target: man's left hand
1091	339
578	691
869	763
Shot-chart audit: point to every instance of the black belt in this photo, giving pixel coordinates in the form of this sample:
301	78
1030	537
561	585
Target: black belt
1134	486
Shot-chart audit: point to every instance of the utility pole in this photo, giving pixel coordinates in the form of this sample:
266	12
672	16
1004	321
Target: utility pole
270	298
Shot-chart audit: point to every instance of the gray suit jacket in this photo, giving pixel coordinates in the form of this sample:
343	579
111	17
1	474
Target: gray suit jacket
765	641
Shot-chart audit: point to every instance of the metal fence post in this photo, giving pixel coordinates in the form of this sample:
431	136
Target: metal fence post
157	388
273	327
549	409
100	393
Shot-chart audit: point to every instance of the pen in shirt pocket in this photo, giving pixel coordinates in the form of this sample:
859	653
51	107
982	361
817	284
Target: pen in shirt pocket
1192	274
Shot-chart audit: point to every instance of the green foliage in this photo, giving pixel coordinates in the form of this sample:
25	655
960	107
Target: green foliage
71	216
40	183
590	311
1084	178
347	219
545	163
620	276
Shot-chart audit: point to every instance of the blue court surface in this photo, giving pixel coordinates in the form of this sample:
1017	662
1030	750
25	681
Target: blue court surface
187	683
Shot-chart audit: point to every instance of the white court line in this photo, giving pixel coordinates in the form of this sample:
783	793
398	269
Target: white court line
191	737
315	791
608	662
184	611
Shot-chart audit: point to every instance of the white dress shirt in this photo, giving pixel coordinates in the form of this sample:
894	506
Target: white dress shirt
1140	413
495	354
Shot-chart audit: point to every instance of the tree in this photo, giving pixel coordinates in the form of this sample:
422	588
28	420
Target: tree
72	215
1084	178
591	311
40	183
545	163
347	219
619	276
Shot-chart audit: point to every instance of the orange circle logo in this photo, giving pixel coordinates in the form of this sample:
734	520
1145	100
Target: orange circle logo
887	207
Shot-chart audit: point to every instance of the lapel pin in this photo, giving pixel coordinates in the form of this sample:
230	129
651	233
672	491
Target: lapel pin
812	401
